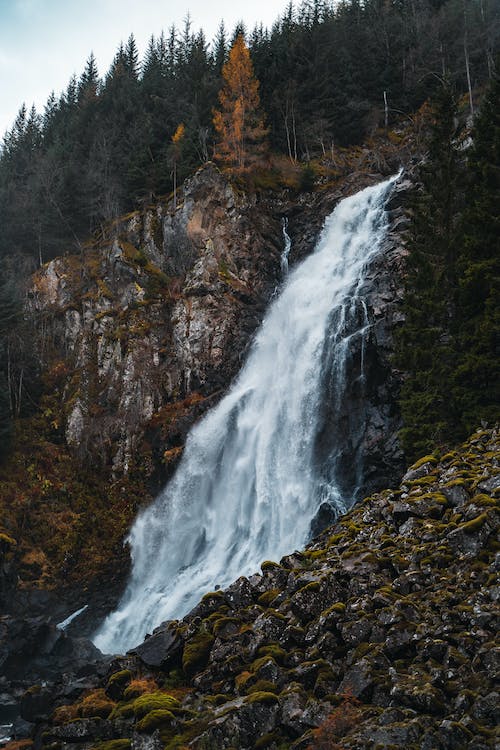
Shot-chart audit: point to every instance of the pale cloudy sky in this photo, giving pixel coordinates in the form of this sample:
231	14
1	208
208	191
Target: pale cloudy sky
43	42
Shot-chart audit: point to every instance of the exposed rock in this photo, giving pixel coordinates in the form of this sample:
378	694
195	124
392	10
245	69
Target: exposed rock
371	637
162	646
35	648
162	308
83	730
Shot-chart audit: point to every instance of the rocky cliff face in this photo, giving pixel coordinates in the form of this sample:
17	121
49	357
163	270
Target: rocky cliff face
379	634
144	331
160	310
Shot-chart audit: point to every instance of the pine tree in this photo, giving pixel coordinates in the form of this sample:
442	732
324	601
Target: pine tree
477	377
89	80
9	314
426	345
239	123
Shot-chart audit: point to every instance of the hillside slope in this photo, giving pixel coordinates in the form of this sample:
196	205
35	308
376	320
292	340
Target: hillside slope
380	634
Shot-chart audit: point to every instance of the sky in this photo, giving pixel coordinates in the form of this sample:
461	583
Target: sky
43	42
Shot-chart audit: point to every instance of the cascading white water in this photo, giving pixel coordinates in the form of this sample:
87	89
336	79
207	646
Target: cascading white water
248	486
287	246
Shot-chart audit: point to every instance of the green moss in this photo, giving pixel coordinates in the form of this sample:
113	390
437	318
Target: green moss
318	554
122	711
153	702
267	597
475	524
274	650
277	615
312	586
269	565
122	677
258	663
196	653
174	679
337	608
422	482
221	623
455	483
484	501
113	745
156	719
267	698
362	650
333	540
262	686
241	680
212	595
425	460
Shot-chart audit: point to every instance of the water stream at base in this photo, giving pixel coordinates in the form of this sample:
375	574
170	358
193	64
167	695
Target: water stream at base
248	485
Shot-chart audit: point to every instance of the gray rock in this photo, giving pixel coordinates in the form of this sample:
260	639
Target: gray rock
147	741
82	730
160	648
456	494
357	680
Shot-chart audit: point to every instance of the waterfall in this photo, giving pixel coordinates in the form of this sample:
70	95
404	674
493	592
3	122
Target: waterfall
249	485
287	244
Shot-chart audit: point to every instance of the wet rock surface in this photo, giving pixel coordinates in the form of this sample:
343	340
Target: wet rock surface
370	637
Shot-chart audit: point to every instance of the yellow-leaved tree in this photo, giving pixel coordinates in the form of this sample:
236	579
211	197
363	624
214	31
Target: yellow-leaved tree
239	123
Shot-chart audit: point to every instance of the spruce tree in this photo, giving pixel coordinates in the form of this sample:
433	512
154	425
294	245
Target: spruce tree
426	346
9	314
477	378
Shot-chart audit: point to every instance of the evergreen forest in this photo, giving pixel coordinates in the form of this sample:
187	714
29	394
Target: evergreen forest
330	74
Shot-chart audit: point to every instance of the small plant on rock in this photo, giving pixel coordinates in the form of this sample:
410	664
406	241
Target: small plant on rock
339	723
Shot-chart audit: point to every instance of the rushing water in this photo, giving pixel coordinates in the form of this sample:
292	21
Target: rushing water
248	485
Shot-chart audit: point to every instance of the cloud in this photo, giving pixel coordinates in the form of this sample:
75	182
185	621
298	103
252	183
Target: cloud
44	42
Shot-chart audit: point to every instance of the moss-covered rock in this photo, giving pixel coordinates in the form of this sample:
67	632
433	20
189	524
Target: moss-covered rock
386	638
153	702
124	744
196	653
117	684
264	697
96	704
158	718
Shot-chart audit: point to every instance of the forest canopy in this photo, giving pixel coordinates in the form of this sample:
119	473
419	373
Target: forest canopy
329	73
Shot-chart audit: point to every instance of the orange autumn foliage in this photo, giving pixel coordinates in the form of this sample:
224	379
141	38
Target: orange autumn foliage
239	123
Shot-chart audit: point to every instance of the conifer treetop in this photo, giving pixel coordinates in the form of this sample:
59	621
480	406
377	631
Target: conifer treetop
239	123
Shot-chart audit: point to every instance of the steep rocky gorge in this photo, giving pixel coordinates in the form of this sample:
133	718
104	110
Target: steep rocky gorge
163	309
138	336
144	331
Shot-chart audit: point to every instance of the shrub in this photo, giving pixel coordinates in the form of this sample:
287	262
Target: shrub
339	723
